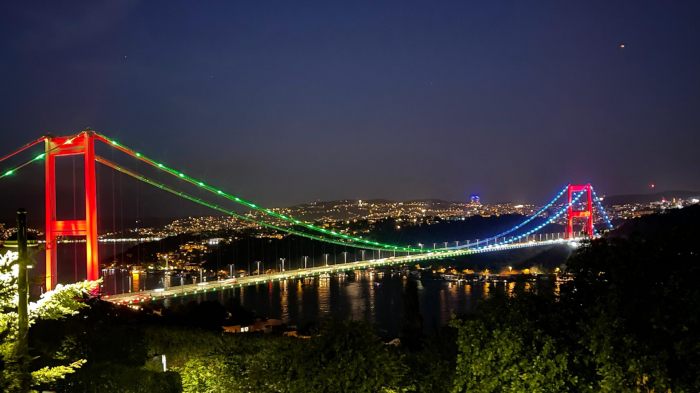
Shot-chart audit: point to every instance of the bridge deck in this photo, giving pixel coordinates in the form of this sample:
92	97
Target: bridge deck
193	289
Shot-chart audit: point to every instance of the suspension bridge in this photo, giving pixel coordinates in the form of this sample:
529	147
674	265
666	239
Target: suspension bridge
579	204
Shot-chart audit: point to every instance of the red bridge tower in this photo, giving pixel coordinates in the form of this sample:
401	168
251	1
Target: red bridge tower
57	146
587	213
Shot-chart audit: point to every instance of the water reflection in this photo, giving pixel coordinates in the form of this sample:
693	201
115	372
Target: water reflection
135	282
359	295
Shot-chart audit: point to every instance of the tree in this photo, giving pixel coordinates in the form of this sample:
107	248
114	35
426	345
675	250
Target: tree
432	369
345	356
115	340
342	357
59	303
411	325
628	320
510	345
637	300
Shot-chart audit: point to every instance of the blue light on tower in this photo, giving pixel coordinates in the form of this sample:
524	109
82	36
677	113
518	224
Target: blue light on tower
475	200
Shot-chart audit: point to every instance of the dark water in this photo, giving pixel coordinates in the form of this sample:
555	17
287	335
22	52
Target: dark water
71	261
371	297
374	298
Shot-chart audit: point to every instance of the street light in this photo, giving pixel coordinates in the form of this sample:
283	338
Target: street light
23	260
282	259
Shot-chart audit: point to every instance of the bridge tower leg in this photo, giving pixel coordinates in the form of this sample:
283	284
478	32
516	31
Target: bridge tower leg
587	213
56	146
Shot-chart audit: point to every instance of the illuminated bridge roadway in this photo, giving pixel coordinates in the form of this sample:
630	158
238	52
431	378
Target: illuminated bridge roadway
193	289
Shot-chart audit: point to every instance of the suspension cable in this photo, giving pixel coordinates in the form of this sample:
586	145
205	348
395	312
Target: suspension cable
602	209
219	208
549	221
532	217
236	199
27	146
241	201
37	158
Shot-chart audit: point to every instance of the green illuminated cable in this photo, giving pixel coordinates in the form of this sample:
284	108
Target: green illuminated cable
388	247
221	209
37	158
18	167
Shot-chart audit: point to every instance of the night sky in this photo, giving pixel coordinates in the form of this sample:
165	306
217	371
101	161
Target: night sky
288	102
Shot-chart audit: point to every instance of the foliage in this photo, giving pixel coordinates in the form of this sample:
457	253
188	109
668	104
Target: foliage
627	321
411	326
507	346
209	375
63	301
50	374
114	341
117	378
343	357
432	368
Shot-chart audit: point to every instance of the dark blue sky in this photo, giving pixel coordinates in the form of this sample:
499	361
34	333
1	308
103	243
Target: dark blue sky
288	102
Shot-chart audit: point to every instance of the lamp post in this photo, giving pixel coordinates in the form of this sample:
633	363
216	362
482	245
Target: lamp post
325	257
282	260
22	307
258	262
23	263
306	258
